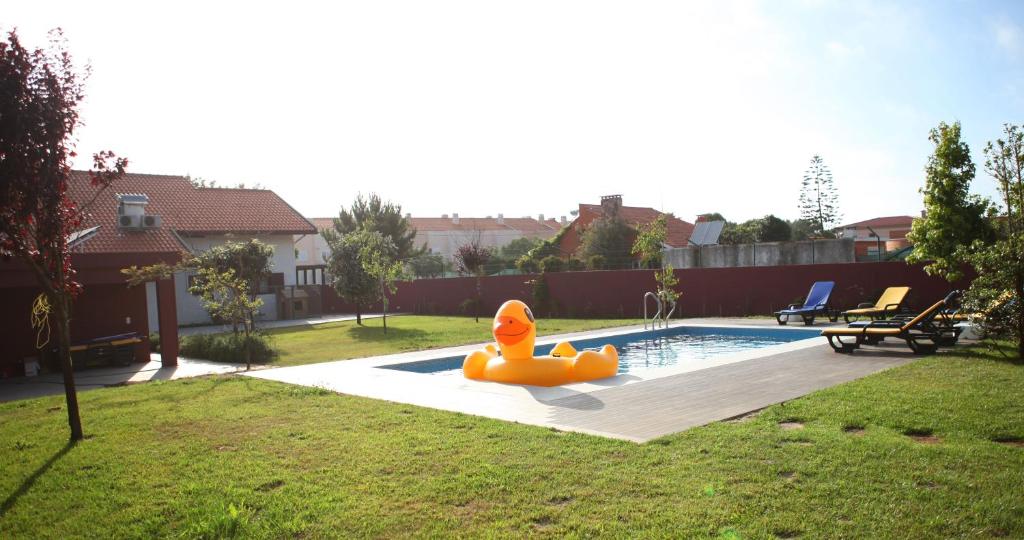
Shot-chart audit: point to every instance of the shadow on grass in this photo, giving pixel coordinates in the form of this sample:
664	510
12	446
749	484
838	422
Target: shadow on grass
998	351
25	486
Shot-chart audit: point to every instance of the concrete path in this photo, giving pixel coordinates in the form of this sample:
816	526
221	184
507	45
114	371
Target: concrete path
310	321
89	379
651	409
636	406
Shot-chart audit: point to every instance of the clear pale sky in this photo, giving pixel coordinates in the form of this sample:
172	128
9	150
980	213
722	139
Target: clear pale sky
533	107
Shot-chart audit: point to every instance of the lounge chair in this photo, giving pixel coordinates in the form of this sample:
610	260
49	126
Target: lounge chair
816	304
923	333
887	305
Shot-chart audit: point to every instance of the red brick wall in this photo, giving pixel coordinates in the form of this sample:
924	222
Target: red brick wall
705	291
100	310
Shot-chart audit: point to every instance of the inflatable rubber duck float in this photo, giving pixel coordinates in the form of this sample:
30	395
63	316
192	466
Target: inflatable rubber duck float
515	332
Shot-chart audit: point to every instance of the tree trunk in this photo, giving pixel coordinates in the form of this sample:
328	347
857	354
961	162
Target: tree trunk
359	314
248	350
1020	319
384	304
61	314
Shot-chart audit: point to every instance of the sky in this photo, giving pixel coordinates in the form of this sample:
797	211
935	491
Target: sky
532	107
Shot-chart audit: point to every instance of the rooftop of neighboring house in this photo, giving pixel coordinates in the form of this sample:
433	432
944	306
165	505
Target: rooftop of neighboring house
678	231
887	221
526	225
181	209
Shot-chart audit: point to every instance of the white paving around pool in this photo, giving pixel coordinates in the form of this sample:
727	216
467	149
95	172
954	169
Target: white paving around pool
533	405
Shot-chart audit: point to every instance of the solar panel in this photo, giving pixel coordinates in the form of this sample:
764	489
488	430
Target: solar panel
706	233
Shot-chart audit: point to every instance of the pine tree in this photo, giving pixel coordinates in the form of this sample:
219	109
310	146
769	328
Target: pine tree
819	203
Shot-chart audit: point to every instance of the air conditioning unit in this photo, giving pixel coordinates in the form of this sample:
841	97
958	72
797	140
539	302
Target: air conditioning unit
150	222
129	222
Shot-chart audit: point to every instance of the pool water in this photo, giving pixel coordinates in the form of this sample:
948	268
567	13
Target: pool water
653	349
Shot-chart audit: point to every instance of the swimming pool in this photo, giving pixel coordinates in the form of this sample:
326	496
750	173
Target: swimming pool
646	349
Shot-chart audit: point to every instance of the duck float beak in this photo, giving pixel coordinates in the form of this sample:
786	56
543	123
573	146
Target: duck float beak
509	331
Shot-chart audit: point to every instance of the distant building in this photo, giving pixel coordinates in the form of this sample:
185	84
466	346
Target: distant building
444	235
679	231
891	235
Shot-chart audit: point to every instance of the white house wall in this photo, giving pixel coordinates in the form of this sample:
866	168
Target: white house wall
312	249
190	308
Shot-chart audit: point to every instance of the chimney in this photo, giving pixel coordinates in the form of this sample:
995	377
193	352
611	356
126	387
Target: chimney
610	205
444	216
501	219
455	219
563	221
408	215
540	217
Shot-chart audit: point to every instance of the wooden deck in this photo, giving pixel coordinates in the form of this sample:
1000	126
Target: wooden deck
650	409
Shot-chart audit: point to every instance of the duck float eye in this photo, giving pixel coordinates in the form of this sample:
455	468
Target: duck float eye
513	361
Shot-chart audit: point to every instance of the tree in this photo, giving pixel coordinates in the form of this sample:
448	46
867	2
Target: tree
608	237
998	291
819	203
379	258
248	261
201	182
650	241
39	95
552	263
373	214
713	216
801	229
348	276
739	233
648	246
519	247
427	265
953	217
527	264
226	296
773	229
471	259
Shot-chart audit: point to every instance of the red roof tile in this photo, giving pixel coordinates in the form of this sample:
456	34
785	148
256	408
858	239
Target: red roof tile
678	231
182	208
887	221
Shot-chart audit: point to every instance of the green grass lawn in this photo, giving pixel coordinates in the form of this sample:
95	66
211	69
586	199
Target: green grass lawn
230	455
345	340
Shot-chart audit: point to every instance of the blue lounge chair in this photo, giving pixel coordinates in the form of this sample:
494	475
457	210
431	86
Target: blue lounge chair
816	304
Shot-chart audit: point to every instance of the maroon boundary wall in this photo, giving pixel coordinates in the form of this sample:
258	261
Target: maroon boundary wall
705	292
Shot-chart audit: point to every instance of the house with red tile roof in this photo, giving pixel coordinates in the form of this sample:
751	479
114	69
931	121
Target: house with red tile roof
891	234
444	235
140	220
678	231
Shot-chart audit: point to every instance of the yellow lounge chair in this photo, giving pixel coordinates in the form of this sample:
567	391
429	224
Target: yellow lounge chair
921	333
886	306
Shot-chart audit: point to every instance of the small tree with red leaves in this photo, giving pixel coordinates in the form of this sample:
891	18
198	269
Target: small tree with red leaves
470	259
39	95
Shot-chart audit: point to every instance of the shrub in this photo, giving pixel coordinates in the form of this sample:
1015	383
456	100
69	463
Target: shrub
527	265
552	263
597	262
154	342
574	265
228	348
